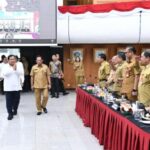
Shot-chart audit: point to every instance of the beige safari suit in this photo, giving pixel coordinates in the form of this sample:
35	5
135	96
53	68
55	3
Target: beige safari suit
103	73
110	80
144	86
40	83
118	78
130	70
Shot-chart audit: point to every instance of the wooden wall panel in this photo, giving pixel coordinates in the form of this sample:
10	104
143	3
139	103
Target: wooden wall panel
91	68
112	1
78	2
86	2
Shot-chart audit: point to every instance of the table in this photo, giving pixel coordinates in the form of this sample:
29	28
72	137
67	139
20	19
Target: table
111	128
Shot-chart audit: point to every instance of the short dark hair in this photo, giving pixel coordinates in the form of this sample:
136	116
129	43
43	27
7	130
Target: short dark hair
121	55
131	49
146	54
39	56
11	56
103	56
3	57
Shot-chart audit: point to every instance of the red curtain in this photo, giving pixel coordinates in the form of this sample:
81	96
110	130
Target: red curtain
113	130
122	6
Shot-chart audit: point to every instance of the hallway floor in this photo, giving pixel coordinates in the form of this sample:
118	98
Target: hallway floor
60	129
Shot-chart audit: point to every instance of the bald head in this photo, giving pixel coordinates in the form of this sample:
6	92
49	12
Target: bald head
114	59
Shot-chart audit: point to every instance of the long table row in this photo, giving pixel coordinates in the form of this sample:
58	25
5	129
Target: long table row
113	130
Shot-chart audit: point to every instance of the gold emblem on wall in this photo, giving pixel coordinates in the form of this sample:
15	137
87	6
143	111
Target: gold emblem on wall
97	51
76	52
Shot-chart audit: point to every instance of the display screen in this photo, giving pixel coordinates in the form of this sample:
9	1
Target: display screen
9	51
28	21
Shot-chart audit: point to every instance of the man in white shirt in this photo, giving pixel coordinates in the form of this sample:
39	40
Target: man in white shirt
2	65
12	85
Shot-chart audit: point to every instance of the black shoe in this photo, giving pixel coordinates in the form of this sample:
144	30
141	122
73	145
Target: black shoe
39	113
45	110
10	117
57	96
15	112
52	96
65	93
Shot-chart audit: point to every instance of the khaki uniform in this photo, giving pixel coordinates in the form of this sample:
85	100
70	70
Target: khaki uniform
40	82
130	70
118	78
144	86
110	80
103	72
142	67
79	72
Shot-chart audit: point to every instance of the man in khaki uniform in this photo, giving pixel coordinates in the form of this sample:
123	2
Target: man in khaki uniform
131	72
118	73
40	82
111	78
144	82
104	70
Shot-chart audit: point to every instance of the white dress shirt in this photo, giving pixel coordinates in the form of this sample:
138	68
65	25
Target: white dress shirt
2	65
12	77
20	65
1	72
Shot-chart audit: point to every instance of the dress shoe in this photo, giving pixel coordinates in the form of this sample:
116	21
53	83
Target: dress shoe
10	117
57	96
65	93
15	112
39	113
45	110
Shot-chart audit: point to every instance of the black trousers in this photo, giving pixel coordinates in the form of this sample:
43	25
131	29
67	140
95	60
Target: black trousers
12	101
2	86
61	86
26	86
55	86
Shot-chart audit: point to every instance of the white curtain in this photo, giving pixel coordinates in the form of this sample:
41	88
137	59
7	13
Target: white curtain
112	27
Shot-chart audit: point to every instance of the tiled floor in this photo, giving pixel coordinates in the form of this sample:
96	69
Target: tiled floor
60	129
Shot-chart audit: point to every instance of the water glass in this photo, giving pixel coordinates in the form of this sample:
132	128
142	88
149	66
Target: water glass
138	114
